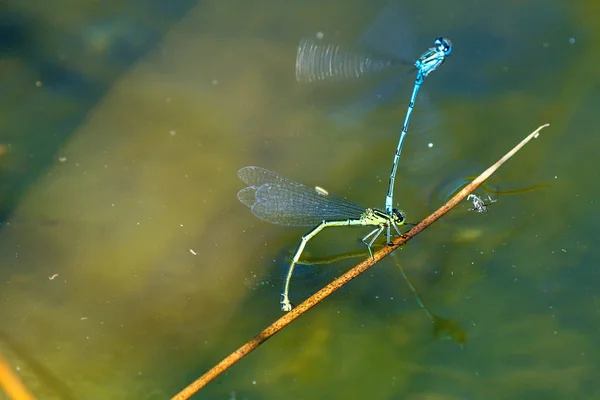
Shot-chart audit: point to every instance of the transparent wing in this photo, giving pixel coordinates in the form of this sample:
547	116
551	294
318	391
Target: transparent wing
318	61
389	37
281	201
247	196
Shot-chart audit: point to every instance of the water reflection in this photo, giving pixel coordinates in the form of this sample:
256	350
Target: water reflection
442	328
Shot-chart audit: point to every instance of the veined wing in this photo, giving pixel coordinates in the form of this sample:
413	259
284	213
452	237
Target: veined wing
281	201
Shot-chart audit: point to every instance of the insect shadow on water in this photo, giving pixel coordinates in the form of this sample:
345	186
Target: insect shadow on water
308	269
444	329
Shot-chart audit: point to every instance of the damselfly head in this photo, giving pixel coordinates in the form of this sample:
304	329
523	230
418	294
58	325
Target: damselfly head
398	216
444	45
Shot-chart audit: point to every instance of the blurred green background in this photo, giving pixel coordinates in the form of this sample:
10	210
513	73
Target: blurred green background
128	267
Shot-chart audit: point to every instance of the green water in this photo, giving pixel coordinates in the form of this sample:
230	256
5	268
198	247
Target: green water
118	174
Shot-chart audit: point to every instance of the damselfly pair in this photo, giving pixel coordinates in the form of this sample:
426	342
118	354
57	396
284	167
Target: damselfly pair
281	201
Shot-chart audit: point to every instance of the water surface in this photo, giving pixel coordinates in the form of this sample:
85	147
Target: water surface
129	267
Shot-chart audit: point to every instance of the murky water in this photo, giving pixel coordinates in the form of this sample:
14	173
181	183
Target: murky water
128	267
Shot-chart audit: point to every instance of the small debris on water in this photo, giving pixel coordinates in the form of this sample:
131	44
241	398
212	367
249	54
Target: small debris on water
479	204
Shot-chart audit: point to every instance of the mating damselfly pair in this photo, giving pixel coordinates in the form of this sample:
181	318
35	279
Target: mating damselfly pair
281	201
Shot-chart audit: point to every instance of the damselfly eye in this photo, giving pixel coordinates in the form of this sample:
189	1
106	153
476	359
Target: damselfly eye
399	216
444	45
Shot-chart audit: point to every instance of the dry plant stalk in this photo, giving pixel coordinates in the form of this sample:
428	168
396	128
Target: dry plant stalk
12	385
319	296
